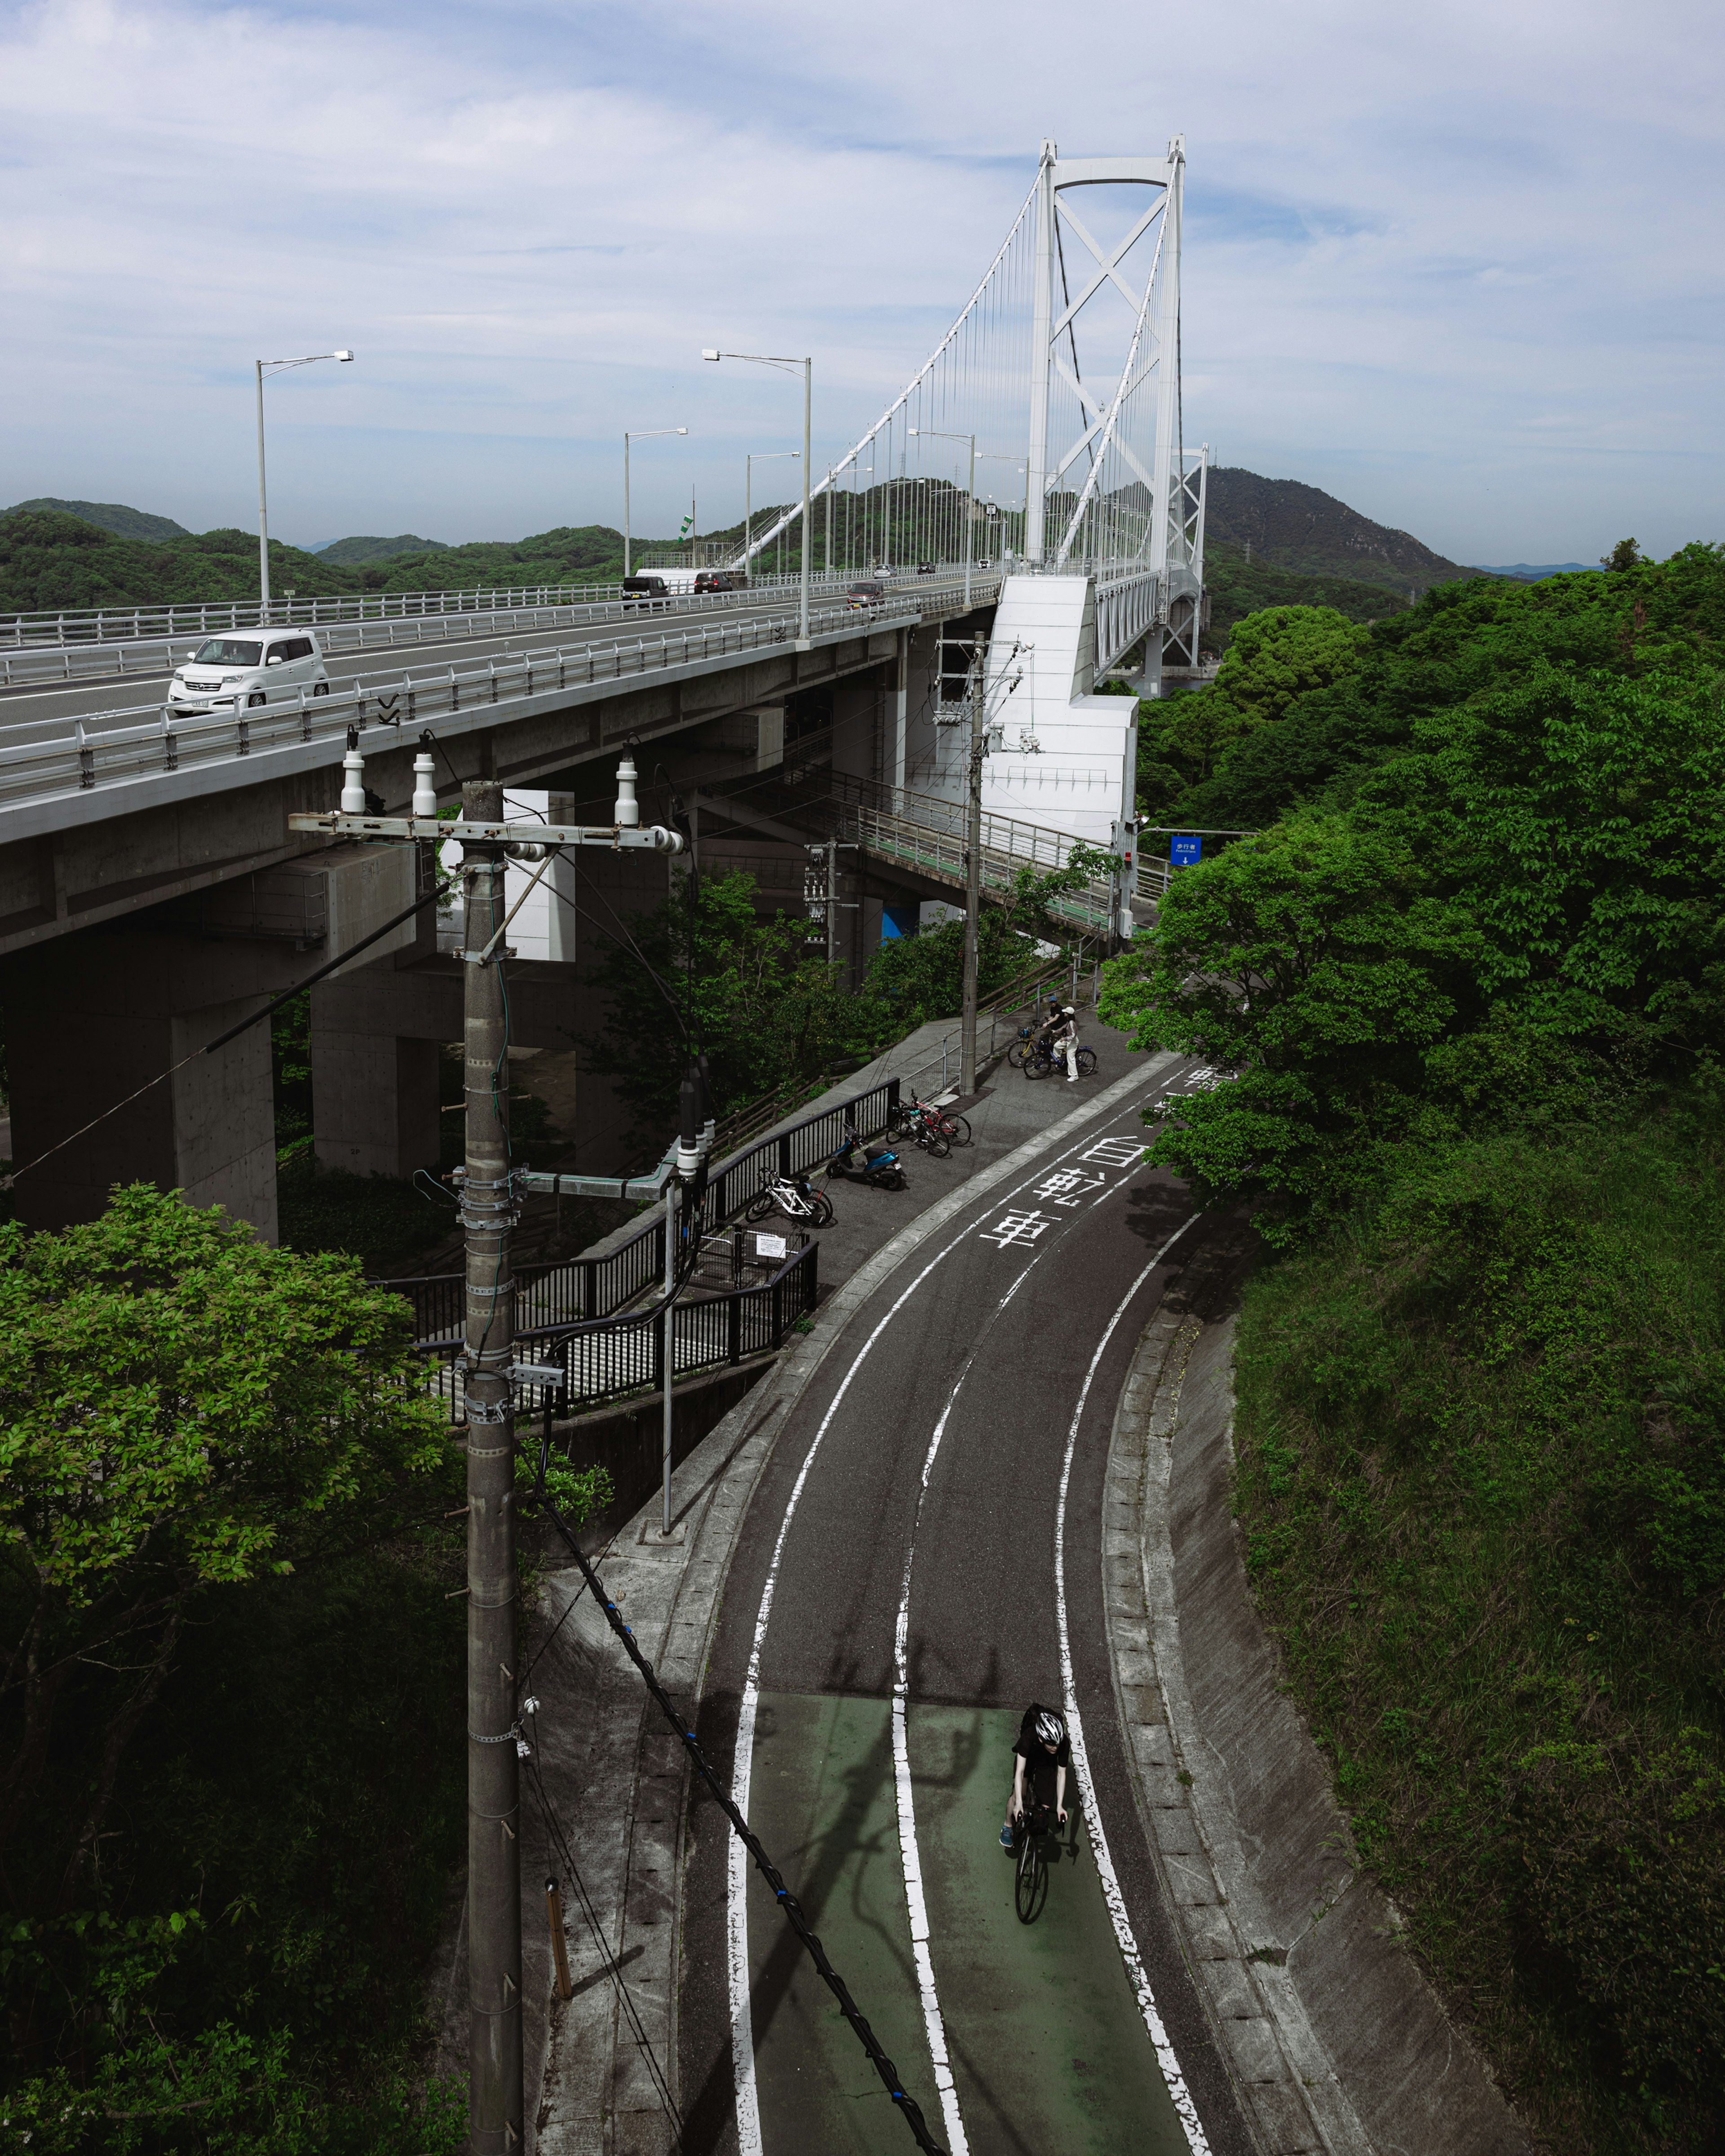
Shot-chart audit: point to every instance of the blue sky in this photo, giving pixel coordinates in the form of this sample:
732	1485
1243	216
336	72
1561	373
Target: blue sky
1460	265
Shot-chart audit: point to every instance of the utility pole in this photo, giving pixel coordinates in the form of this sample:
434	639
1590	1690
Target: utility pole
831	898
973	862
488	1211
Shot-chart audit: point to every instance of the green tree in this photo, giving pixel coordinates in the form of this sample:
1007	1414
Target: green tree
182	1409
1520	916
1626	554
1273	658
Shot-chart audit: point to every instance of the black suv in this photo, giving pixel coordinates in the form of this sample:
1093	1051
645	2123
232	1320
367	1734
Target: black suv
720	580
644	591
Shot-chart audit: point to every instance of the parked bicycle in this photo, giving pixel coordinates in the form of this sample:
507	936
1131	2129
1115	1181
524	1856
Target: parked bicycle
795	1196
936	1130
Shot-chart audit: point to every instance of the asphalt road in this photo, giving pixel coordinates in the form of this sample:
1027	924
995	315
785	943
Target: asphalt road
899	1582
42	713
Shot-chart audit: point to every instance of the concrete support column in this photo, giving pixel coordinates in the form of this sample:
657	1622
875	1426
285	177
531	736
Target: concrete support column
92	1018
374	1096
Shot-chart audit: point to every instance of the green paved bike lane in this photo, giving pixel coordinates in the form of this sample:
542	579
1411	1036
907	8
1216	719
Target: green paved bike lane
1048	2050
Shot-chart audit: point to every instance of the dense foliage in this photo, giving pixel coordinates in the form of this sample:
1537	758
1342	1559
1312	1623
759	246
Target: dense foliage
1464	997
231	1757
760	1001
1234	587
1482	1438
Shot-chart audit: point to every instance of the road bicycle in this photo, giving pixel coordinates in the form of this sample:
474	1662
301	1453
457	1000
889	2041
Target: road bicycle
794	1196
1030	1889
1042	1061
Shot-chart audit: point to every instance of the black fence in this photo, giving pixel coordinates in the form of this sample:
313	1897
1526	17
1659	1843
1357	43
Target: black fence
578	1290
608	1358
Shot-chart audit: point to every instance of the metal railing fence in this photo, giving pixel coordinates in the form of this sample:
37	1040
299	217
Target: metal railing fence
587	1289
123	638
608	1358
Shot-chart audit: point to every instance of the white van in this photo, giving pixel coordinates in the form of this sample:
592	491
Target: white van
257	666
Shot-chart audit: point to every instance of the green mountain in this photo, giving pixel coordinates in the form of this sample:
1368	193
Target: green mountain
48	560
349	553
1237	586
112	516
1295	526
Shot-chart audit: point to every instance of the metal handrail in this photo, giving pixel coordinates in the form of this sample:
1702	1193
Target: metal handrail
590	1288
611	1357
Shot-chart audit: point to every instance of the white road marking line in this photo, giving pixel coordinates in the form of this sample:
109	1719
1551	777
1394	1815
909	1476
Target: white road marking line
1135	1970
910	1855
743	2041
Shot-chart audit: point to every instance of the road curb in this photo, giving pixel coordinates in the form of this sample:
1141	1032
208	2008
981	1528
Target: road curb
1335	2042
673	1606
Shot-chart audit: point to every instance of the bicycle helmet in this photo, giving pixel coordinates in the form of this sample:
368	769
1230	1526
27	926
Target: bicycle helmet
1050	1729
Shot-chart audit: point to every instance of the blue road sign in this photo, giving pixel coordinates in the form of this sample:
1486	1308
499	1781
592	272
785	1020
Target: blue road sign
1185	853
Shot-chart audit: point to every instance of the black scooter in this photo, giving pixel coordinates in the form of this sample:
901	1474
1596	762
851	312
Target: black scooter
878	1166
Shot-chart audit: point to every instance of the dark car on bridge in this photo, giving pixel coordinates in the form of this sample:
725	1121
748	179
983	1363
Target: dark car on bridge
925	568
866	593
645	591
721	580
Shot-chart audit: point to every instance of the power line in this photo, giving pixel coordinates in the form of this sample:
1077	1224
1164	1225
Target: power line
883	2066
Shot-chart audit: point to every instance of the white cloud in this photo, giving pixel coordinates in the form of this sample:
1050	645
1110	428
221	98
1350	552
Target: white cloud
1457	265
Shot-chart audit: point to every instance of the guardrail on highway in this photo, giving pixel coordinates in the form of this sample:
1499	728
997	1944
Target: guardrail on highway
92	756
50	629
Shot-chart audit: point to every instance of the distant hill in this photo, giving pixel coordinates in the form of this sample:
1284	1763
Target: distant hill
349	553
50	559
1236	587
1530	573
1302	528
110	516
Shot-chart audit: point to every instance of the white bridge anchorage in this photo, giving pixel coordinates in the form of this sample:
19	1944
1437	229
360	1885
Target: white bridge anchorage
1042	439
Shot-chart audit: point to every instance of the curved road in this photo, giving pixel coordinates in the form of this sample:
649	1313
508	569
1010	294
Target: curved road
920	1561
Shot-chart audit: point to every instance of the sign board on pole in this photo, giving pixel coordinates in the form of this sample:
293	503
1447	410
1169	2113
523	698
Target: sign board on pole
1185	853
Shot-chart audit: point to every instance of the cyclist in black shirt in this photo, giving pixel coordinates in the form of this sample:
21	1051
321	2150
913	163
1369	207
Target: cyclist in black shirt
1042	1758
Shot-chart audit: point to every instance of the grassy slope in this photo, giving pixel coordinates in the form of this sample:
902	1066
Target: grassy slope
1479	1477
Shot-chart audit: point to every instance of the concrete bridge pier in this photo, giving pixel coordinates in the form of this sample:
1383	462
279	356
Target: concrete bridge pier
90	1019
94	1015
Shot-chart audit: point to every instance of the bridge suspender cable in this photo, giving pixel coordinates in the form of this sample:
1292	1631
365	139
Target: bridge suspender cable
786	1901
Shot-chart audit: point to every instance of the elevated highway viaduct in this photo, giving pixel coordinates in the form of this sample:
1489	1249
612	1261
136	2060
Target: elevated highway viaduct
152	893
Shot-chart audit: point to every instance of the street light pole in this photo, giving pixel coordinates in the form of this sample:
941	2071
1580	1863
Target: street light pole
973	864
775	359
753	457
272	367
637	434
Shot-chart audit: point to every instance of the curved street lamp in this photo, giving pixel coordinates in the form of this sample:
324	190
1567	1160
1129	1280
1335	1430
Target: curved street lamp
791	366
638	434
272	367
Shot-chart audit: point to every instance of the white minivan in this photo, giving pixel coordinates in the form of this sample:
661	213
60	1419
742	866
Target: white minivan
257	666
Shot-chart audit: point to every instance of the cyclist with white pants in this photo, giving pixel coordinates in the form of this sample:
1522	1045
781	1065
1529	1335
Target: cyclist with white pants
1064	1041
